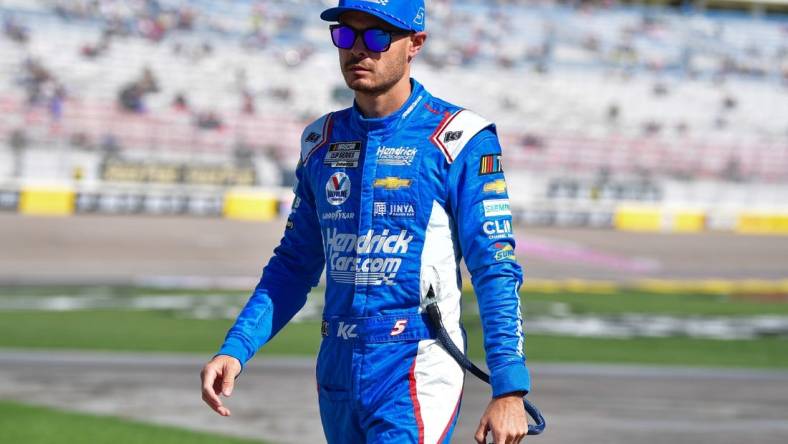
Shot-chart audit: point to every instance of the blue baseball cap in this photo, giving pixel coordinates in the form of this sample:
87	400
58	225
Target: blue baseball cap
404	14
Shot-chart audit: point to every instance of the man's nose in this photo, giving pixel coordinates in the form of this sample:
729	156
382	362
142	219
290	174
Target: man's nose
359	49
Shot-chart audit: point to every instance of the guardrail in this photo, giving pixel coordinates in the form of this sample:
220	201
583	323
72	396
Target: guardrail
266	204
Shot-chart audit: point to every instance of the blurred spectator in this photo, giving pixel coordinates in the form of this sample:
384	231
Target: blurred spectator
179	103
130	98
148	81
729	102
92	51
56	102
15	31
34	76
733	171
652	127
186	18
613	113
247	105
208	120
132	94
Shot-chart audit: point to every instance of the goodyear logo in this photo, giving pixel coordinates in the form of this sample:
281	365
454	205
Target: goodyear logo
392	183
497	187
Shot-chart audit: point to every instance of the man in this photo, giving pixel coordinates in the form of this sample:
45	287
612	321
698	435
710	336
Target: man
391	194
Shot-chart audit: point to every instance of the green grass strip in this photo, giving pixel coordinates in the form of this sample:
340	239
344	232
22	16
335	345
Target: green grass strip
22	423
162	331
680	304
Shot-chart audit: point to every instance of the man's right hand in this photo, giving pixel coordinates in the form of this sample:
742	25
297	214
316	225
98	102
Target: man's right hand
218	378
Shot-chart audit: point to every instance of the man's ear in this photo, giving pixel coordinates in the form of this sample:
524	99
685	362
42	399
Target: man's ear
417	41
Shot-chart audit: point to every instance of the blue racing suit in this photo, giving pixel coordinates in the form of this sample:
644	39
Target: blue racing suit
389	206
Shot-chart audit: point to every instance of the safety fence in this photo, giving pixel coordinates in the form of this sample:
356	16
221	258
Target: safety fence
267	204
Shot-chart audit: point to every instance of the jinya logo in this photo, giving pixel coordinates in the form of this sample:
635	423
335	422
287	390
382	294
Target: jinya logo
338	188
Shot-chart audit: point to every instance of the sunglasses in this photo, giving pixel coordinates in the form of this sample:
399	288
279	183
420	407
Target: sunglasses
375	39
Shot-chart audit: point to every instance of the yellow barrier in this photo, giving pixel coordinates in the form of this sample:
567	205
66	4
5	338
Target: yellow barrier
689	221
250	205
648	218
47	201
762	223
638	218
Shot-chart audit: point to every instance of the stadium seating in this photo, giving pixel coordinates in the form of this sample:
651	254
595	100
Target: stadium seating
575	91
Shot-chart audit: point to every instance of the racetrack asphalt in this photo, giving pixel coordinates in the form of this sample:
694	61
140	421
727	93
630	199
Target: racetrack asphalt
276	400
93	249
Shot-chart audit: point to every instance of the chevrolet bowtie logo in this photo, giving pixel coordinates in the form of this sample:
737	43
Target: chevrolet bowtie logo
392	183
498	187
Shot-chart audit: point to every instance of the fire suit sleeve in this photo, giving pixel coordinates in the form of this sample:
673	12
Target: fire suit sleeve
480	206
282	290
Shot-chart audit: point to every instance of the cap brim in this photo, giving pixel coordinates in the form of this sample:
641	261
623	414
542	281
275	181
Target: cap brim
333	14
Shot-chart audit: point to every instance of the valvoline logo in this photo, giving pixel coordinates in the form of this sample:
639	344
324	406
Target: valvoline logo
338	188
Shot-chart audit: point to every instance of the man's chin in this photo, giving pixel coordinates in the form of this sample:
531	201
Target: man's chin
361	85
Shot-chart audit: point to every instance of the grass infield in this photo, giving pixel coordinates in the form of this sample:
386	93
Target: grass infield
22	423
164	330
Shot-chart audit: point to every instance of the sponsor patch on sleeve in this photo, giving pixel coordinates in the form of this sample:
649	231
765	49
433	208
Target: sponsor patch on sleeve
504	252
490	164
496	207
498	228
497	187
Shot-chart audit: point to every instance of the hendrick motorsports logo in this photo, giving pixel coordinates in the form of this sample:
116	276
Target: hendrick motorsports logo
338	188
400	156
346	267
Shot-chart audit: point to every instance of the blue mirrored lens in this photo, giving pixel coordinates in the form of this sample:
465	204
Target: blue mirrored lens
377	40
343	36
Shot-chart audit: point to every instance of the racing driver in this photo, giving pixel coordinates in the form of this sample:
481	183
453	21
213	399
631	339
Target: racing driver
392	193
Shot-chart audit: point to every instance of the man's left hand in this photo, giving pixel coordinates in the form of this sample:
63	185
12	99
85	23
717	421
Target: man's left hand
505	418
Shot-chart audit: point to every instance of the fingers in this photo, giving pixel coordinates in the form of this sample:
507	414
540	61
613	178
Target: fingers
511	433
228	381
216	404
513	436
481	431
209	394
500	437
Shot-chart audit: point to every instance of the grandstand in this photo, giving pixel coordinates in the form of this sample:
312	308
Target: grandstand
595	104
